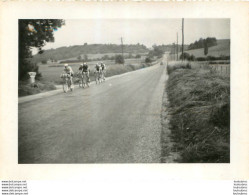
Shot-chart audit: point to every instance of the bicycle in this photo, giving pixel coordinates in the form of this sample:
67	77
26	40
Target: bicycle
80	79
97	77
85	80
67	83
103	75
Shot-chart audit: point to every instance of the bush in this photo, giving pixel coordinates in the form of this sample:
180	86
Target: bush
172	66
148	60
138	56
119	59
44	61
201	59
184	56
213	58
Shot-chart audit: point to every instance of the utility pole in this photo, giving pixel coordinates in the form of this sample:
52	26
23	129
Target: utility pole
177	46
122	49
174	48
182	38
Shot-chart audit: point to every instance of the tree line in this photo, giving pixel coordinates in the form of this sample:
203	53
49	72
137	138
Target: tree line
203	43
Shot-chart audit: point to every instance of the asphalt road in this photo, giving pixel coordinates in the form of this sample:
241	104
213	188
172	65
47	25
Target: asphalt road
115	122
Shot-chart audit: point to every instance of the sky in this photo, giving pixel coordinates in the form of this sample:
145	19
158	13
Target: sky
133	31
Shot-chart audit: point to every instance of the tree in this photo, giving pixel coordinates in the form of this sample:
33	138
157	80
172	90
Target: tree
34	34
119	59
157	51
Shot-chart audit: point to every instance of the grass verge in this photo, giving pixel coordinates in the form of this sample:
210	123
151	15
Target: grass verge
199	106
25	88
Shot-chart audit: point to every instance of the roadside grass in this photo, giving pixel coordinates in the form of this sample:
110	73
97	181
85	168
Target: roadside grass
199	105
25	88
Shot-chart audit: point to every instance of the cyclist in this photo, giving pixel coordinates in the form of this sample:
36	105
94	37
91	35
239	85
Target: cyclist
86	70
97	71
97	68
103	69
68	70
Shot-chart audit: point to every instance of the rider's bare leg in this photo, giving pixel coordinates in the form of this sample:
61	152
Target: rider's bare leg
88	77
71	79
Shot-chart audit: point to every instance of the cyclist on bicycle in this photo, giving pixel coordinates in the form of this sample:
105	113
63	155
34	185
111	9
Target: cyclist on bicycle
68	70
103	69
86	70
97	68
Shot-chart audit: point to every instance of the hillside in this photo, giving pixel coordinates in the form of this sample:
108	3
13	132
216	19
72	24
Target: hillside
80	50
222	48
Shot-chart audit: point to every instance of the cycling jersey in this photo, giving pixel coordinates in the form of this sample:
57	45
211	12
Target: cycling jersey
97	67
68	70
103	66
85	68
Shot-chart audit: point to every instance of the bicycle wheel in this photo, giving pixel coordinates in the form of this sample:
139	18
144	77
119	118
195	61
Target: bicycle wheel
96	77
70	85
65	87
82	82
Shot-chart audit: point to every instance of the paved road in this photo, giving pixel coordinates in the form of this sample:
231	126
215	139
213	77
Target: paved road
115	122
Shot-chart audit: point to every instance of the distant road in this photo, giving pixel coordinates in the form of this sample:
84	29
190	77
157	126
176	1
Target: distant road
115	122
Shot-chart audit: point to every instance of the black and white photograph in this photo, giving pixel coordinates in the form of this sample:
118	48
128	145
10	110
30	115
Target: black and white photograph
124	90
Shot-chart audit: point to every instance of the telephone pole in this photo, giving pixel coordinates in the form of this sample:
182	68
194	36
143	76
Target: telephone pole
174	48
122	49
177	46
182	38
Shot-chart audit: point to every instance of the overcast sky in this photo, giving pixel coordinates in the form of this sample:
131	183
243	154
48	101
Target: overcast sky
133	31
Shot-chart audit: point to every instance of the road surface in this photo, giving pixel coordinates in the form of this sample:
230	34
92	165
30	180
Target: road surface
115	122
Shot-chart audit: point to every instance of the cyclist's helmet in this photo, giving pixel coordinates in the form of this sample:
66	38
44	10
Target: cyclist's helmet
84	63
65	65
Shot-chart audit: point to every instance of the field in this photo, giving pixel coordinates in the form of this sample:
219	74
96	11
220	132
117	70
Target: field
199	110
222	48
51	73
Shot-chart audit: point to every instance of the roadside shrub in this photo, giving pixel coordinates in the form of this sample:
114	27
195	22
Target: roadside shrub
201	59
213	58
185	56
119	59
148	60
138	56
174	65
44	61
